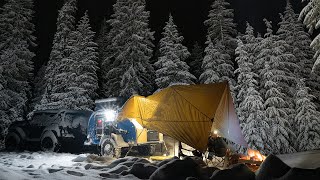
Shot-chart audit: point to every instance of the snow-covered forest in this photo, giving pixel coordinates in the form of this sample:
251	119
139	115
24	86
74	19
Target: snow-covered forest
274	77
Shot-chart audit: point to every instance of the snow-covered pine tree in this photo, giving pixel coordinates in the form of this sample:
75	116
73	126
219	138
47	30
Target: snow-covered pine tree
215	66
171	65
115	39
196	59
83	80
59	63
39	86
274	76
16	15
251	108
130	47
307	119
292	31
102	40
310	15
15	61
221	27
314	82
211	60
246	46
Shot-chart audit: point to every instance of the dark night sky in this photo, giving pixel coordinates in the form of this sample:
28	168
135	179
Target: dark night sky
188	15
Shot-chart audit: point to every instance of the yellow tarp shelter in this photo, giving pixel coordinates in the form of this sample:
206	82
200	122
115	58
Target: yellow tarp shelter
188	113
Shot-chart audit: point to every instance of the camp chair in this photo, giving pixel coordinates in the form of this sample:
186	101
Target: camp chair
216	154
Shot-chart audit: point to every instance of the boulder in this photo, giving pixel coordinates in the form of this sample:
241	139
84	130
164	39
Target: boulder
118	169
79	159
178	170
272	168
206	172
141	170
238	172
118	161
301	174
144	161
159	164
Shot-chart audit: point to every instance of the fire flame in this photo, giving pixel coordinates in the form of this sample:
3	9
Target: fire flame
254	155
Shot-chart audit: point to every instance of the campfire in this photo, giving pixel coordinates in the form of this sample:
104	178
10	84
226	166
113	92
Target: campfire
254	155
253	159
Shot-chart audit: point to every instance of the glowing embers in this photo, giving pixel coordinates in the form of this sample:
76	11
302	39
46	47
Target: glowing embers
253	155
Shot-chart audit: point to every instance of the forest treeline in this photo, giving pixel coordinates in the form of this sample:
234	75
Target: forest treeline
274	77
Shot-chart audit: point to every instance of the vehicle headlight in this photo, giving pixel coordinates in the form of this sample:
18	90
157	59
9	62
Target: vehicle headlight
110	115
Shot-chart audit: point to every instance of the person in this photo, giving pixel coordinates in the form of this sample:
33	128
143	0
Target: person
217	145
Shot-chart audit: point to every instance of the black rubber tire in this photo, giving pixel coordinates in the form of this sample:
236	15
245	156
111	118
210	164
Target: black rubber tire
13	142
109	149
49	142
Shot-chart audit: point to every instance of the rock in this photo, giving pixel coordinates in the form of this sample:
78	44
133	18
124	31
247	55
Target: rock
198	160
101	159
301	174
141	170
272	168
166	161
88	166
30	166
127	163
178	170
206	172
53	170
30	157
239	171
79	159
75	173
118	169
99	167
23	156
118	161
109	175
144	161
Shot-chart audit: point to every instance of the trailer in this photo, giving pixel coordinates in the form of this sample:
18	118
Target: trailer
77	130
114	138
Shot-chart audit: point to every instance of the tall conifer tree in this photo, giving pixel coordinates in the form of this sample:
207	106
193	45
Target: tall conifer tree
171	65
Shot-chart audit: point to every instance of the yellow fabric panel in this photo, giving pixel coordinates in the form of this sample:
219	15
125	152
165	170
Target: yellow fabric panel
179	119
205	97
131	109
226	120
186	113
142	136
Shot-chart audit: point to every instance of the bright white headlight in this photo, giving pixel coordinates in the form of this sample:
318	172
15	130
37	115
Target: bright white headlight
110	115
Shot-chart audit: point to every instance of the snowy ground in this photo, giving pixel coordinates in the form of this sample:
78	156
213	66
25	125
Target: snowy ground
44	165
41	165
305	160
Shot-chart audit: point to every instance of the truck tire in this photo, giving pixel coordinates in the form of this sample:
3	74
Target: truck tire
49	142
109	149
13	142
